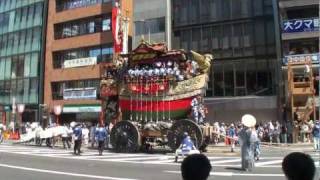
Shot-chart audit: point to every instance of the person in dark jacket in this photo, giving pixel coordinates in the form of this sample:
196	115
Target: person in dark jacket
316	136
101	136
77	131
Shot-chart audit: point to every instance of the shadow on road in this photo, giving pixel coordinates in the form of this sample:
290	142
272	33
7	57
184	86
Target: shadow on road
234	168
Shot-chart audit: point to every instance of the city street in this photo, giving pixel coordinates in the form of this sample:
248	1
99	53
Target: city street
38	163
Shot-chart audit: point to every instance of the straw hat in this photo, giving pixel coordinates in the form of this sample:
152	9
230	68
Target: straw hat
248	120
73	124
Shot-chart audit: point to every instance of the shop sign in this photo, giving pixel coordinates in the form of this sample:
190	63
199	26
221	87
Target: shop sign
80	93
301	58
80	109
89	61
301	25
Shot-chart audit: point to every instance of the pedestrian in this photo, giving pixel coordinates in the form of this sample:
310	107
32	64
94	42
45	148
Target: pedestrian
298	166
195	167
276	133
195	109
247	141
186	147
85	134
65	136
92	135
232	135
101	136
316	136
284	136
77	131
256	141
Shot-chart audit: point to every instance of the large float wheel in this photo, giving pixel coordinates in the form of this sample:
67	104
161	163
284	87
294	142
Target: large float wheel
125	137
175	135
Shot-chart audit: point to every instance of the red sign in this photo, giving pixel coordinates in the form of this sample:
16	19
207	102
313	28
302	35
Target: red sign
116	29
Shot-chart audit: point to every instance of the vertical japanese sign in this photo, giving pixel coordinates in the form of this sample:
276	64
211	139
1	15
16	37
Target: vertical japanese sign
116	28
301	25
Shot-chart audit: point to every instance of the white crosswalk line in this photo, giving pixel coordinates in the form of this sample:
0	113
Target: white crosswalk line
135	158
268	163
225	161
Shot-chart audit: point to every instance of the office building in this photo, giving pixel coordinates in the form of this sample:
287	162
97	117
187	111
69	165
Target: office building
241	35
79	38
22	32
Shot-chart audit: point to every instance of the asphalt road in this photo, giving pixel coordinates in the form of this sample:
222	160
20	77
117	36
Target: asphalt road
35	163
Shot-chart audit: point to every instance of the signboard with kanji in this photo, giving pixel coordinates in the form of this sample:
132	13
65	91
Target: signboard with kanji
314	58
301	25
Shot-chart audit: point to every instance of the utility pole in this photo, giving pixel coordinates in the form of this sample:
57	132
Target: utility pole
168	24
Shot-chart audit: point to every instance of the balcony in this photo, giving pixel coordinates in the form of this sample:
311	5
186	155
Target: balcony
300	28
299	58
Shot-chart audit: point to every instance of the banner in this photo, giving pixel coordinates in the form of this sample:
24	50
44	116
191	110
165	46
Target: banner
80	93
116	29
80	62
301	25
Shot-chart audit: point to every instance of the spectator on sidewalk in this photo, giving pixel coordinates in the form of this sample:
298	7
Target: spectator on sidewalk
232	135
195	167
316	136
298	166
85	134
93	135
284	136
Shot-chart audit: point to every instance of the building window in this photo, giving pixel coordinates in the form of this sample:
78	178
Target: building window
152	26
106	24
62	5
81	27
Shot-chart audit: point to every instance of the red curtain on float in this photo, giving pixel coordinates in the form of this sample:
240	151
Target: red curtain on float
117	39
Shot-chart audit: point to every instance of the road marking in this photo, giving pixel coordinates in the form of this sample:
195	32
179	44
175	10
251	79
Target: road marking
268	162
63	173
225	161
229	174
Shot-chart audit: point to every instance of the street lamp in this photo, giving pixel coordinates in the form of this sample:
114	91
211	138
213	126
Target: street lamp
57	111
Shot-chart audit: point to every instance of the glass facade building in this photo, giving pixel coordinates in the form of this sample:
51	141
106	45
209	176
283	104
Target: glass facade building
241	35
21	39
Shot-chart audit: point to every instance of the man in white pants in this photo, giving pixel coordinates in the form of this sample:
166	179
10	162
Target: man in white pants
186	147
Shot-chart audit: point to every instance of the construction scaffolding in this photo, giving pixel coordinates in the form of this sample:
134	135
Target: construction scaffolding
301	93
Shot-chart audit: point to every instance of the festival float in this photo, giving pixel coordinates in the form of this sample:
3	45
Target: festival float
149	93
152	93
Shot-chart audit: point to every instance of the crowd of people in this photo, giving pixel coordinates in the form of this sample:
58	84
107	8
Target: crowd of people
272	132
296	165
